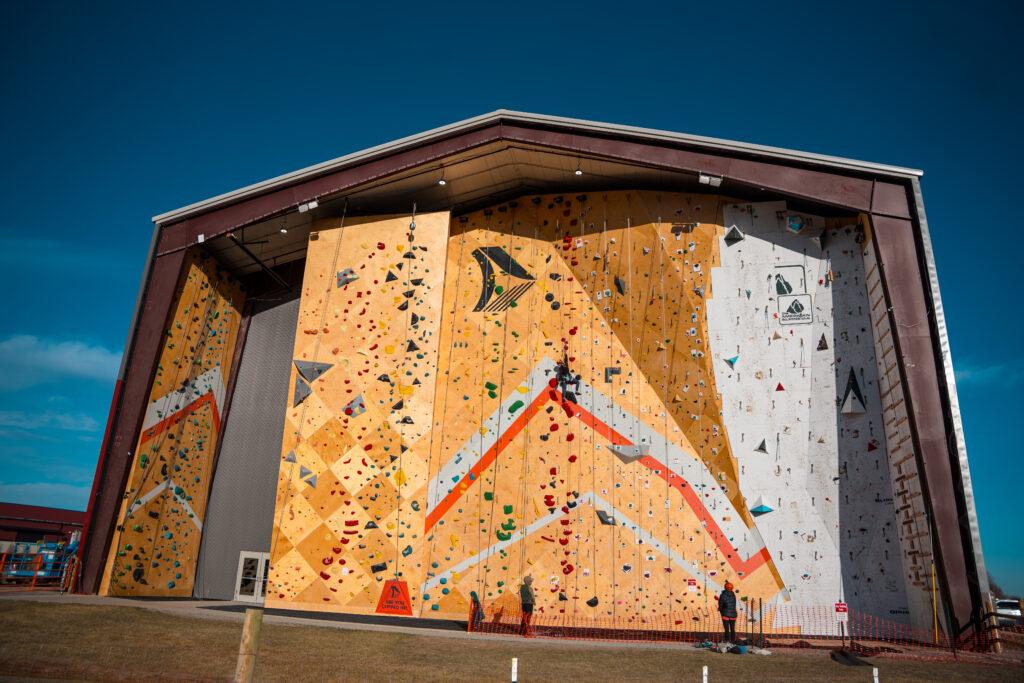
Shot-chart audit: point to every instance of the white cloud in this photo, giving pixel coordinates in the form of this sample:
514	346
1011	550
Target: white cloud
26	361
997	374
68	422
47	494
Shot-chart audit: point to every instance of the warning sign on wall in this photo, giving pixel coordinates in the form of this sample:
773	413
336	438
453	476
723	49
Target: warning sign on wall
394	599
842	613
691	585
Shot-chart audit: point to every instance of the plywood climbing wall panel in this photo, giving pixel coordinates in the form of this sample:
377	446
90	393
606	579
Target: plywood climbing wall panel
357	430
156	543
633	397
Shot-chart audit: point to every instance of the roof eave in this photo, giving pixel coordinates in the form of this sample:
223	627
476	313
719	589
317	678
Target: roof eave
716	144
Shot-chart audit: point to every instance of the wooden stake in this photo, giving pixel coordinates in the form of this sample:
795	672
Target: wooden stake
249	646
993	622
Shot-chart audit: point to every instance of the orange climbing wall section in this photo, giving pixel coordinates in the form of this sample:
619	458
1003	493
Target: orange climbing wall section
357	432
156	543
575	433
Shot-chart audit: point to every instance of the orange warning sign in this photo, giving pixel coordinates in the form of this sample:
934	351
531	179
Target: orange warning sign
394	599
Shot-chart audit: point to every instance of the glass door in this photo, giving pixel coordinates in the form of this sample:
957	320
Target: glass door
251	580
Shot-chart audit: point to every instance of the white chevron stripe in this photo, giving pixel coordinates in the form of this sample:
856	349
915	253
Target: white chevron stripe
154	492
168	404
685	464
595	500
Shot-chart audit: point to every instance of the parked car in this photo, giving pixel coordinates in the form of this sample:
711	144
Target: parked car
1008	613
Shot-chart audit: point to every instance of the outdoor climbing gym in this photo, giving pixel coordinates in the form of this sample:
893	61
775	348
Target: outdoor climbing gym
631	364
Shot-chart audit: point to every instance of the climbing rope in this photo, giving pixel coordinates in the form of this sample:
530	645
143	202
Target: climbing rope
286	497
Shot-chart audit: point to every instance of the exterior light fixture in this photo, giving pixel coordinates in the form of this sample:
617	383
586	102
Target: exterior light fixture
705	179
441	180
578	171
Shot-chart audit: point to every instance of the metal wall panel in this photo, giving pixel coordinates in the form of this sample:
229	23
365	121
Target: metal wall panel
241	509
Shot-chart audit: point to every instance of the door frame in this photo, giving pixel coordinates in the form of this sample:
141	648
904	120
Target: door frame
262	563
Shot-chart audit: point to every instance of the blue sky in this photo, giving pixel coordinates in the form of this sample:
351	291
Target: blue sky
112	114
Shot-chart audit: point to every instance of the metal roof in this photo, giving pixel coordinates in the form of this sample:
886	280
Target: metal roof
716	144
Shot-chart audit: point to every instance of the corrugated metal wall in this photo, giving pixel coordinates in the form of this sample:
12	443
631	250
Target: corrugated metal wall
241	510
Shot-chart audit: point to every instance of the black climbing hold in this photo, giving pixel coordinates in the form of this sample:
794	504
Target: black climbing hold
592	602
417	282
408	294
549	297
406	420
555	305
620	284
390	277
371	525
562	598
404	305
822	343
409	254
605	518
399	405
556	277
384	378
379	567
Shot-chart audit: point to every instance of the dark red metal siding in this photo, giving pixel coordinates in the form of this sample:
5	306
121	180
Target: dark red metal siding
904	279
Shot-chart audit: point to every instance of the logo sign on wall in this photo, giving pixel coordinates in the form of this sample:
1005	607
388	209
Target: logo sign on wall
394	599
790	286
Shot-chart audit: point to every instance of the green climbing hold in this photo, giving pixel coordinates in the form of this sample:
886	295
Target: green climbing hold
490	386
508	509
488	495
515	406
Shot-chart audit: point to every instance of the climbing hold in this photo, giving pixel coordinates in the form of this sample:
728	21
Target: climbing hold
605	518
346	276
629	454
620	285
853	399
310	370
592	602
290	457
731	362
823	343
412	347
379	567
302	391
355	407
760	508
609	372
762	447
779	387
390	277
733	235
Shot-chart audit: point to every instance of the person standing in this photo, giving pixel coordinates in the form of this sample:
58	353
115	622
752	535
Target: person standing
727	608
527	600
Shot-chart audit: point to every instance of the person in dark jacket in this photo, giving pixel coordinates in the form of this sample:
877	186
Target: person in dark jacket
727	608
528	600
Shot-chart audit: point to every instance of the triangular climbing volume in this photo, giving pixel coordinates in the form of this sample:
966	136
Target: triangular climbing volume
853	399
310	370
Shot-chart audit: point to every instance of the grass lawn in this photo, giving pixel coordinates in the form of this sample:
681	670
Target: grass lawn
87	642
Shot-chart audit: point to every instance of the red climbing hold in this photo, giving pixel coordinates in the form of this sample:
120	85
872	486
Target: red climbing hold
780	387
380	245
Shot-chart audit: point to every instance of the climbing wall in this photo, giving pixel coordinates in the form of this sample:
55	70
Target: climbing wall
156	543
637	398
357	428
